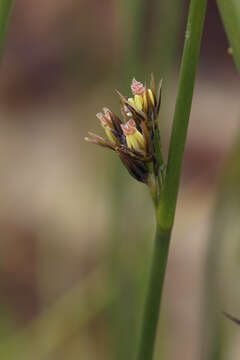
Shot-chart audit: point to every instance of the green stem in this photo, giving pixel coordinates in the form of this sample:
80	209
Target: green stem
190	56
5	8
167	203
157	274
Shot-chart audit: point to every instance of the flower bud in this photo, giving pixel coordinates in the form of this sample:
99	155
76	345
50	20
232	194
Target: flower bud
135	140
148	97
137	87
143	97
137	102
106	123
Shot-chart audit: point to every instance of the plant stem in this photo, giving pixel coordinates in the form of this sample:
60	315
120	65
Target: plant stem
167	204
154	295
188	69
5	8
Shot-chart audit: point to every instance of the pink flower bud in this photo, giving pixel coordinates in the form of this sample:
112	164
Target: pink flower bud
129	128
137	87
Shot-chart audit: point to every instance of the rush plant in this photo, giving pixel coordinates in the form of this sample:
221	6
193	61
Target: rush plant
136	140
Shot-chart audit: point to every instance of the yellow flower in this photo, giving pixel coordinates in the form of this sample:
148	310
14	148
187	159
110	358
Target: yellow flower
141	98
136	102
135	140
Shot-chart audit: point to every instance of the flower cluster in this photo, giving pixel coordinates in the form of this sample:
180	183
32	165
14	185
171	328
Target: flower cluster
135	138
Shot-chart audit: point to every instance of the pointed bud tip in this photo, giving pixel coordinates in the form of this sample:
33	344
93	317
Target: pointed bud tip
137	87
107	113
99	115
102	118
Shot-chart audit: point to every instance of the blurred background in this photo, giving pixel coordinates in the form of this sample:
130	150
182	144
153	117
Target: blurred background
76	229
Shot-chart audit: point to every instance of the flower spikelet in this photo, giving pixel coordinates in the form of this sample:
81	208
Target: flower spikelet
135	138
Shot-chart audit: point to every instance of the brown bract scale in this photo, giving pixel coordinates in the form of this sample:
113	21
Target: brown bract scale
136	138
